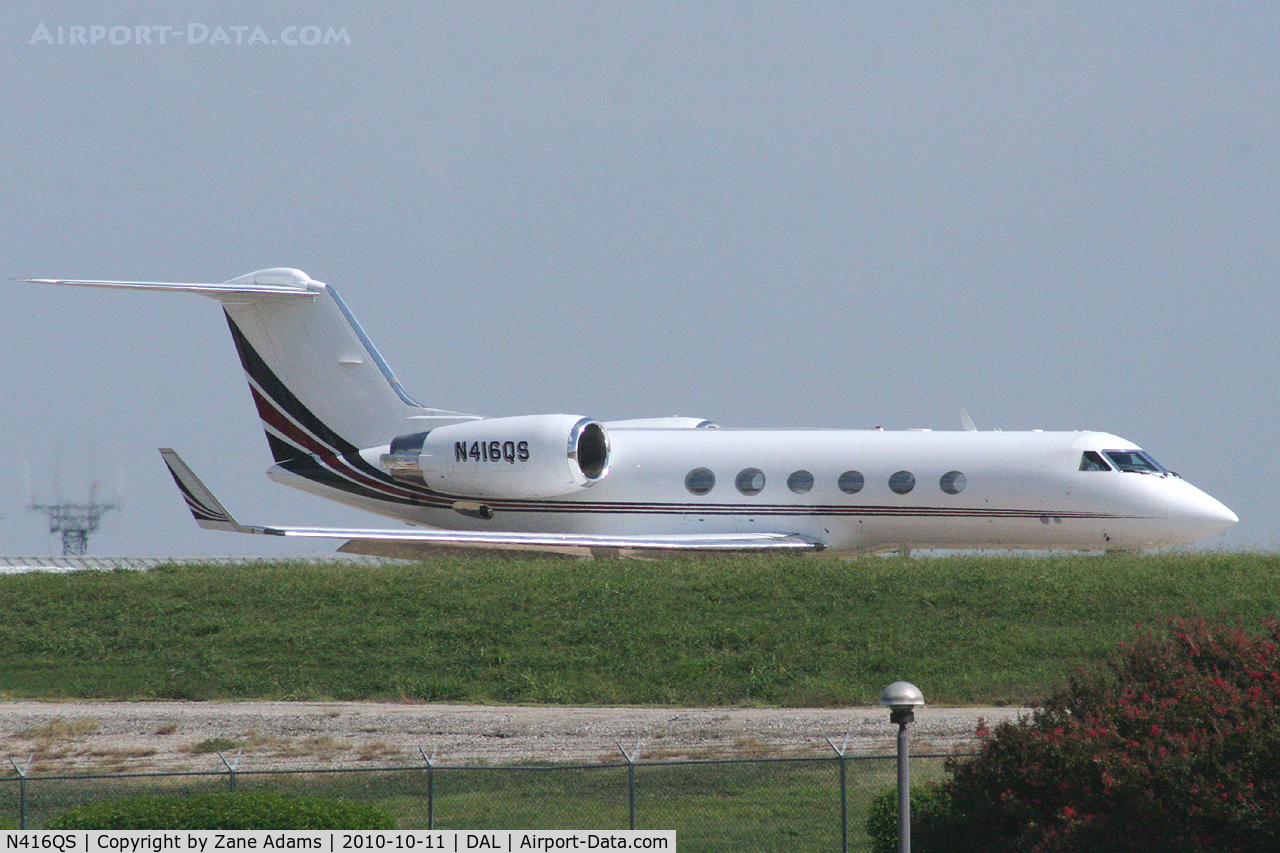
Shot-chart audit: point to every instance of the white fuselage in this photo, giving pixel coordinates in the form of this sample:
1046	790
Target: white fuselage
1018	490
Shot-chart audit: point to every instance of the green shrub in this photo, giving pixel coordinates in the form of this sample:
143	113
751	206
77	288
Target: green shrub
882	815
1173	745
214	744
225	811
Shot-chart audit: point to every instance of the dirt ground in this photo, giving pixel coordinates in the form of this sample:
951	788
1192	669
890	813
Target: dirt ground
142	736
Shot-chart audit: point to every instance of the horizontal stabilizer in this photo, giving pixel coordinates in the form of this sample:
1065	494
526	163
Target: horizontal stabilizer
317	381
273	282
210	513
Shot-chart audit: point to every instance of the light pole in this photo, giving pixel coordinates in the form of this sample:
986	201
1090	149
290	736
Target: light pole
902	698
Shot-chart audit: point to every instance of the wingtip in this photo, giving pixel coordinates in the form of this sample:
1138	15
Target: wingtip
201	502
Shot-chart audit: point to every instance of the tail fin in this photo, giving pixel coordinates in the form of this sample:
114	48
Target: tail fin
319	385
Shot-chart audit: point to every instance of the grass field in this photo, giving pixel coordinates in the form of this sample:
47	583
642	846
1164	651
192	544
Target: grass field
715	806
788	631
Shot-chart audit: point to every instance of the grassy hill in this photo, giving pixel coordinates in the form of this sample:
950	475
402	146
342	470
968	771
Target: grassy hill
791	631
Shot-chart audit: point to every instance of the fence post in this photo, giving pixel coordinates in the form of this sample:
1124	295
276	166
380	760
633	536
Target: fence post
631	778
431	784
22	789
844	801
231	767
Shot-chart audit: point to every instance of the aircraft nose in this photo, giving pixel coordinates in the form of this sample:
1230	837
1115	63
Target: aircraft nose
1202	515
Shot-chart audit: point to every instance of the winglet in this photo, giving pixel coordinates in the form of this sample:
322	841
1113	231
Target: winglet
208	512
966	421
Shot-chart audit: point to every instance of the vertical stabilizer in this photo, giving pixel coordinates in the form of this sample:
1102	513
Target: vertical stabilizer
318	388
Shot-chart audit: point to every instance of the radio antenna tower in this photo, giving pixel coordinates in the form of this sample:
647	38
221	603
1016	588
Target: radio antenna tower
75	521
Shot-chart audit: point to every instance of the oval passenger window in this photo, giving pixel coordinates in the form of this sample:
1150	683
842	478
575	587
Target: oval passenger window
699	481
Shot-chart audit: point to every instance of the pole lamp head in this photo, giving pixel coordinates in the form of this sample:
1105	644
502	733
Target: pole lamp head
902	698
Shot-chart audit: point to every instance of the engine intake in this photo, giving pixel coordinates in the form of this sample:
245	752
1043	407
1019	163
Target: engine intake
533	456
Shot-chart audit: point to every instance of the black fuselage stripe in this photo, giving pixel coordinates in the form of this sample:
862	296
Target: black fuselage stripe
284	399
322	472
294	434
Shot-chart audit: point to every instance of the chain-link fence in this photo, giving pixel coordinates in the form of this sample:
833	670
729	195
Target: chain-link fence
727	804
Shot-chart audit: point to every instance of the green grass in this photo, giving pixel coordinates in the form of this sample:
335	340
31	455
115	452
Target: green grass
789	631
716	806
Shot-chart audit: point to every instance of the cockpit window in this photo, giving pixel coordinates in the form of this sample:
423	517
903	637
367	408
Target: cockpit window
1091	461
1134	461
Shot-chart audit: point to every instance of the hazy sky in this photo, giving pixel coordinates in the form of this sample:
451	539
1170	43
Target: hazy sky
1059	216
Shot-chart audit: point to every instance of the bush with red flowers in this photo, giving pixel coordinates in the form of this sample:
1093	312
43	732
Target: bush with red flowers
1173	745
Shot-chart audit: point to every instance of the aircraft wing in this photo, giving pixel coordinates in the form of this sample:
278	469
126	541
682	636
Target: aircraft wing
410	543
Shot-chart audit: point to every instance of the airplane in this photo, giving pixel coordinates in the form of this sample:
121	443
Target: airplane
339	424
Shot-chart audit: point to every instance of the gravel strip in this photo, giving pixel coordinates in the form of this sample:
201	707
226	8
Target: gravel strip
142	736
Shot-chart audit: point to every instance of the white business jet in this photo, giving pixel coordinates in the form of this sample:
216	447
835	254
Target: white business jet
340	425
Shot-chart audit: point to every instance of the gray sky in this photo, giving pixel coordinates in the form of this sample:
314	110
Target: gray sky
768	214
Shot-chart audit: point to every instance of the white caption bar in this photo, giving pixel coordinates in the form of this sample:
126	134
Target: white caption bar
336	841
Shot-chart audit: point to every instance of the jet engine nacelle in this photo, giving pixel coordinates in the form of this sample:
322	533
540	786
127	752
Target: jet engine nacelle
533	456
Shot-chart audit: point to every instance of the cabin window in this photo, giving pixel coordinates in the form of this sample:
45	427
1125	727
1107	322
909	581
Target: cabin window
1091	461
953	482
699	481
902	482
851	482
1134	461
750	481
800	482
